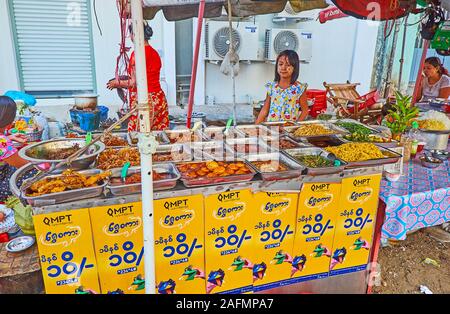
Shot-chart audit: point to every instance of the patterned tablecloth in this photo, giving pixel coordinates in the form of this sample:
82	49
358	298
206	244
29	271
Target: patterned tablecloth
420	198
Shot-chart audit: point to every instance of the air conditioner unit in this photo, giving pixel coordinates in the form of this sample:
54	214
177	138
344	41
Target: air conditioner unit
278	40
245	36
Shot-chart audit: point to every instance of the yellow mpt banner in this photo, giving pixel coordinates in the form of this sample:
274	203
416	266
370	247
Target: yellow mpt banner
355	222
179	245
229	219
274	227
316	220
66	252
119	247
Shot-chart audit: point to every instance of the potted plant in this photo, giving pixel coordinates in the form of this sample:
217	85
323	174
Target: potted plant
401	115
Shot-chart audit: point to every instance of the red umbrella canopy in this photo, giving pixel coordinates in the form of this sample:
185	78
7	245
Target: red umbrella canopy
378	10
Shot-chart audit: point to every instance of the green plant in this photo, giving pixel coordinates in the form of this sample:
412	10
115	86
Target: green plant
401	114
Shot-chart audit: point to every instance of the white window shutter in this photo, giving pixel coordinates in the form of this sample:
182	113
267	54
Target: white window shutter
54	46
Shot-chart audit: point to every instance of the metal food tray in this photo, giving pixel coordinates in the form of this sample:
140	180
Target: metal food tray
161	137
136	188
391	144
374	131
122	135
376	162
186	136
337	130
185	155
189	182
202	151
314	151
262	130
66	196
262	146
435	131
294	169
232	133
286	138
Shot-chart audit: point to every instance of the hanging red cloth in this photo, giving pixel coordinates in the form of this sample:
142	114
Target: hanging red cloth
379	10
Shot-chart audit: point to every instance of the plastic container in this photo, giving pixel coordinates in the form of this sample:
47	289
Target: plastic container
103	113
74	116
414	135
89	121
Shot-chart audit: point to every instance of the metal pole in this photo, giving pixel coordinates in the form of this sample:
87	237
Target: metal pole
391	59
201	13
418	86
146	146
403	53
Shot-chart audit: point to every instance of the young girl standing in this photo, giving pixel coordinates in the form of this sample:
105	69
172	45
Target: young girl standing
286	97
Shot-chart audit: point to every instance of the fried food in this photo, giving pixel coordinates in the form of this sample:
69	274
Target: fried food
269	166
116	158
312	129
69	180
351	152
184	137
212	169
112	140
62	153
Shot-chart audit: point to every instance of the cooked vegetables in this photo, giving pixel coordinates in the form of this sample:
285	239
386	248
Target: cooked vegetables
351	152
314	161
359	137
354	127
312	129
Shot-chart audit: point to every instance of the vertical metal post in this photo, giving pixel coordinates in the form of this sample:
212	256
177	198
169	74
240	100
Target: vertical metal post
201	13
146	146
403	53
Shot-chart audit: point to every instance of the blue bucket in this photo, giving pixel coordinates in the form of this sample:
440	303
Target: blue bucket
74	116
89	121
103	113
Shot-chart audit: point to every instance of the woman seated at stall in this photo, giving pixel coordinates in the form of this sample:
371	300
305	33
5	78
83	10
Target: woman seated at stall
9	159
286	98
436	83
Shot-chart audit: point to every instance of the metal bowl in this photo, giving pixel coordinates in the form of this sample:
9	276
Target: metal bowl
433	163
440	154
34	152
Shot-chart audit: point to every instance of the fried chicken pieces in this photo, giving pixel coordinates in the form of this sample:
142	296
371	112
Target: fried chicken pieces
212	169
69	180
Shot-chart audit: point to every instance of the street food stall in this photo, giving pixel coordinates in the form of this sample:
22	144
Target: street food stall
275	208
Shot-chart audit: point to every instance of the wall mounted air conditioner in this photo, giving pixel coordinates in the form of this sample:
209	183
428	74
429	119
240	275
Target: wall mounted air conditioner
245	36
288	14
278	40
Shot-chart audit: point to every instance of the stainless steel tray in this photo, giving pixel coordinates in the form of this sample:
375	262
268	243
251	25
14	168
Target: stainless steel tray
252	130
184	136
374	131
216	133
136	188
190	182
236	146
291	129
275	145
204	151
391	158
294	169
314	151
67	196
390	144
179	152
161	138
122	135
325	141
33	152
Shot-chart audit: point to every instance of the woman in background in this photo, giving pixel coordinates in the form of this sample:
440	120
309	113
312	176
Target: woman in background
159	116
436	83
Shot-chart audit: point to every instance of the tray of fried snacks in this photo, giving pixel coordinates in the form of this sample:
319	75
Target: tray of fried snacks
115	140
283	142
212	151
117	157
66	187
160	136
172	153
316	160
313	129
184	136
216	133
275	166
251	130
215	172
247	146
165	177
364	154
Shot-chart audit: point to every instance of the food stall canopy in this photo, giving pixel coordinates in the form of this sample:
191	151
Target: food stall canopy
175	10
379	10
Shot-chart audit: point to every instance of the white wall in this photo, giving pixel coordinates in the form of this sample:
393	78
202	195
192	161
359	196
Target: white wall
8	70
343	49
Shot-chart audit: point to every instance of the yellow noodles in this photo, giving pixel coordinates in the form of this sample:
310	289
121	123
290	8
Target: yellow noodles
312	129
351	152
433	125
